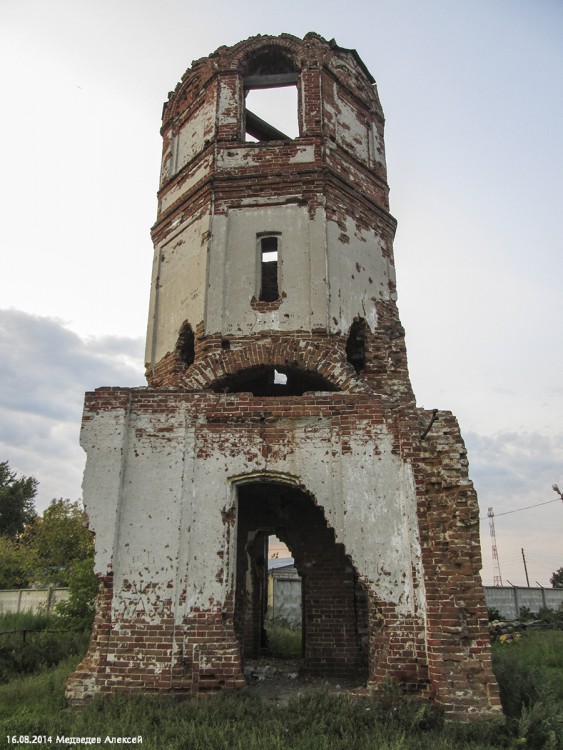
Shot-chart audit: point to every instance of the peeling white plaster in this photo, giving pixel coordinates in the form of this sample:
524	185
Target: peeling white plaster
166	530
362	274
351	131
194	133
234	158
180	268
304	155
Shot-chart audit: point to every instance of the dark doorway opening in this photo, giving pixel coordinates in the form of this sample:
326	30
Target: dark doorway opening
334	603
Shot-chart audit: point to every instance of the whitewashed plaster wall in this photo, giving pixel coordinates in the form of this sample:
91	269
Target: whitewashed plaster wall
179	268
158	511
327	282
234	273
359	274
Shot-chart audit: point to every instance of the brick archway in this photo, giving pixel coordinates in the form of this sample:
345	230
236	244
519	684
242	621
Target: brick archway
334	603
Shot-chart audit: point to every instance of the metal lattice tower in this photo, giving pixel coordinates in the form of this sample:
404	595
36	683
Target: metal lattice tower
497	578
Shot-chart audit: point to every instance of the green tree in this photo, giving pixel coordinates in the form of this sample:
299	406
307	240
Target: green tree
17	563
556	579
17	498
78	611
58	540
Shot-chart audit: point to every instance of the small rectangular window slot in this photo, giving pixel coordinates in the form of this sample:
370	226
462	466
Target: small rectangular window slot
269	291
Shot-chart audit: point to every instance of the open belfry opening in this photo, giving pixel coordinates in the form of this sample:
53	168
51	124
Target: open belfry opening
279	403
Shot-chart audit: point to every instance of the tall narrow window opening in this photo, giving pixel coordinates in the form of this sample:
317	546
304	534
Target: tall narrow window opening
270	92
269	291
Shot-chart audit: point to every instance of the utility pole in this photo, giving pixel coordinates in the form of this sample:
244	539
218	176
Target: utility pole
525	567
497	578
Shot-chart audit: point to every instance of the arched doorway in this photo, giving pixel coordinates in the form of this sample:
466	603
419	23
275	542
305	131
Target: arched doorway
334	603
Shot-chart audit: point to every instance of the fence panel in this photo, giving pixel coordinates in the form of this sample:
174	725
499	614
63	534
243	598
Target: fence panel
31	600
287	600
509	600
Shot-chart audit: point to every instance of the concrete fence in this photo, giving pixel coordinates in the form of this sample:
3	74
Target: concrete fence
285	598
30	600
509	600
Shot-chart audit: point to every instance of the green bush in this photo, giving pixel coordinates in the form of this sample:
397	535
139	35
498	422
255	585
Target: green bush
493	614
526	615
552	616
79	610
26	621
541	725
38	644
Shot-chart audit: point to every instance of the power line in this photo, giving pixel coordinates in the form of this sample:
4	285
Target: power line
517	510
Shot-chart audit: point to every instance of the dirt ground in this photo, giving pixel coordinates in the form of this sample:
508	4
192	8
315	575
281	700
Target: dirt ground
277	681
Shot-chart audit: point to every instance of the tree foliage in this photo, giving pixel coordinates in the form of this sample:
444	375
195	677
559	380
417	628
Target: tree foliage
53	550
16	564
17	498
556	579
79	609
58	540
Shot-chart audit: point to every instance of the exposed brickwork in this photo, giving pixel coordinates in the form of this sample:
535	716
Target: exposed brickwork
315	352
458	644
141	654
186	478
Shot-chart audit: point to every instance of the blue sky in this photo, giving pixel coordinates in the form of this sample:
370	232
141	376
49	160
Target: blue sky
473	98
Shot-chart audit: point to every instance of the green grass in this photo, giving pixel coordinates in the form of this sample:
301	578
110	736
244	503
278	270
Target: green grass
311	721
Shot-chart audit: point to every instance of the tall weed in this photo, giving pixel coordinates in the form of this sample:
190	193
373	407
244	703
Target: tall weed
530	677
284	641
26	621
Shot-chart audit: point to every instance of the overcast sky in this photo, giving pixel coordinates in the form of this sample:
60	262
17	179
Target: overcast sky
473	97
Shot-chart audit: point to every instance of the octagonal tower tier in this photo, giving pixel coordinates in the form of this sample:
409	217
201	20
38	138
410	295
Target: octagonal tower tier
261	237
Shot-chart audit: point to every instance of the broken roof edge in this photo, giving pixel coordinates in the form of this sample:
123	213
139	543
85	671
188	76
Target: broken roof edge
333	45
202	62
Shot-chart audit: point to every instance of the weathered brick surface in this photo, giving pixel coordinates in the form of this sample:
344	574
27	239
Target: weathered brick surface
186	478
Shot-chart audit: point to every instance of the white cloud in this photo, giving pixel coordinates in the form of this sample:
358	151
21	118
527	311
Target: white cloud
45	370
513	473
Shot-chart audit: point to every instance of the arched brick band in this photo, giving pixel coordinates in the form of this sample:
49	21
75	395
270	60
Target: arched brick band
320	357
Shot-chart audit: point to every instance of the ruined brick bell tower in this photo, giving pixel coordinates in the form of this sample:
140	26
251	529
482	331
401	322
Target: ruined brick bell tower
279	402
